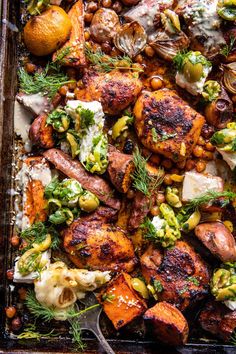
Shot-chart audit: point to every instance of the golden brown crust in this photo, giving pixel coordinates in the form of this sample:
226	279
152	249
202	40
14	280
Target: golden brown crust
115	90
182	273
163	112
98	246
40	133
168	323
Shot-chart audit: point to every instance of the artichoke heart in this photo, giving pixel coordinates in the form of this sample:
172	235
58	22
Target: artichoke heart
131	39
229	77
167	45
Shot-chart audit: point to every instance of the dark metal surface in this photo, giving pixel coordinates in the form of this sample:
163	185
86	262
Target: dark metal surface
8	67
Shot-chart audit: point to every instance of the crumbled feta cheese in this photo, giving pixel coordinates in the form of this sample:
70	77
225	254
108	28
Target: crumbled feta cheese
229	157
196	184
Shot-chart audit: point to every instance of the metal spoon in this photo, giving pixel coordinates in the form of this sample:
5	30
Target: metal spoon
90	321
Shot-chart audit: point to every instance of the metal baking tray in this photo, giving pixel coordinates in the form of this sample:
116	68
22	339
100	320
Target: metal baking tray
129	343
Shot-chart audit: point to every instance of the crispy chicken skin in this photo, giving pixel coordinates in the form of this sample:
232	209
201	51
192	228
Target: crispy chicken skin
182	273
97	245
218	239
115	90
217	319
167	323
40	133
163	112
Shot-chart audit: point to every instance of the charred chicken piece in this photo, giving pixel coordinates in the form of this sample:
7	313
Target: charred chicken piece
74	169
140	207
97	245
115	90
167	323
40	133
217	319
181	273
218	239
120	169
166	124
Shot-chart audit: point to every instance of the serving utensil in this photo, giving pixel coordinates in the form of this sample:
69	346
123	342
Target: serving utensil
90	321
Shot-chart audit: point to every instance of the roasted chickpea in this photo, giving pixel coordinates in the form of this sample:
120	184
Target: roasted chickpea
10	274
156	83
209	146
88	17
15	241
190	165
106	47
138	59
130	194
208	155
167	164
63	90
201	141
160	198
182	164
200	166
16	324
167	180
86	35
117	7
149	51
198	151
106	3
10	311
92	6
30	68
155	210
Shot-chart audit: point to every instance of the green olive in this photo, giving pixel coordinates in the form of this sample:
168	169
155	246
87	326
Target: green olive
227	13
174	18
88	202
192	221
139	286
226	293
73	144
152	291
192	72
120	126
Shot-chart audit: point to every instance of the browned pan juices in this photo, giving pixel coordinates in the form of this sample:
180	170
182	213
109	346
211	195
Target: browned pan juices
130	340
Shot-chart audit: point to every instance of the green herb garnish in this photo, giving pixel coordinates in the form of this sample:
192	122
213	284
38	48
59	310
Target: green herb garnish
108	297
35	7
193	280
30	332
49	313
105	63
157	285
37	233
228	47
86	117
209	197
142	180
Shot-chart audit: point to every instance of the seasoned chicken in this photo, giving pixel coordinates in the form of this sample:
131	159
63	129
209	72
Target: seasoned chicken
166	124
115	90
182	275
217	319
91	242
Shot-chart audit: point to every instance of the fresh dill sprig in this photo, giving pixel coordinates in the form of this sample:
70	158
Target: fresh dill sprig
75	332
38	310
37	233
228	47
233	338
60	59
48	81
208	197
105	63
30	332
142	181
49	313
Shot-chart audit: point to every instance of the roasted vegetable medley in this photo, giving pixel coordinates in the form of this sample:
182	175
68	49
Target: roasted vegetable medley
126	154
